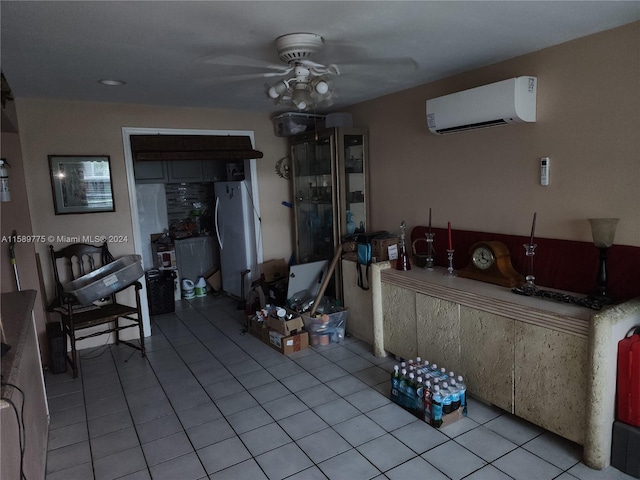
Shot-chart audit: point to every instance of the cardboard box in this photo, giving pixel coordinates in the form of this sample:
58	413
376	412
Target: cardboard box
288	344
166	259
215	281
287	327
380	248
447	419
275	270
258	329
351	256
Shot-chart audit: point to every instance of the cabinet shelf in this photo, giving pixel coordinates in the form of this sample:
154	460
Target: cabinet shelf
329	170
314	202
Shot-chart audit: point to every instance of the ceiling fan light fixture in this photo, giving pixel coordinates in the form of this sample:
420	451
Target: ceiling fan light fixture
311	85
301	97
278	89
322	87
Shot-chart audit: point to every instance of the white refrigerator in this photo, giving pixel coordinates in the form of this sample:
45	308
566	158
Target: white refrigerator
234	221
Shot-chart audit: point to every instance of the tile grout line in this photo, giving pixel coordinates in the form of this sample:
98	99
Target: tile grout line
224	327
292	393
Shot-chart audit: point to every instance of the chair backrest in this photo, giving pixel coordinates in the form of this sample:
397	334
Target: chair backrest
76	260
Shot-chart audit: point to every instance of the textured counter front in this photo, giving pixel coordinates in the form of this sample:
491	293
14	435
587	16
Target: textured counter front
21	367
541	360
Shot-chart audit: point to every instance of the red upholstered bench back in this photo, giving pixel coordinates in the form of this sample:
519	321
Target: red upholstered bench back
558	264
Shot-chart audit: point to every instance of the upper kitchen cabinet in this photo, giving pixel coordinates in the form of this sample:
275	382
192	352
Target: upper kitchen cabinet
214	171
150	172
180	171
330	190
185	171
188	158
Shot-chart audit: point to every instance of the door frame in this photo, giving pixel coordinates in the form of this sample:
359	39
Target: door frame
251	177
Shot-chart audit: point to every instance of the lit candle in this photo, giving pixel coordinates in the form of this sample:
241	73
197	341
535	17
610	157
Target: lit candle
533	228
429	219
449	229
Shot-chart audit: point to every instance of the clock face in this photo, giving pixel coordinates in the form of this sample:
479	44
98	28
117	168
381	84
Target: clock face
482	258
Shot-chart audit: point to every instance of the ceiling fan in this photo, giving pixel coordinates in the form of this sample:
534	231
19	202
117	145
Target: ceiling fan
309	84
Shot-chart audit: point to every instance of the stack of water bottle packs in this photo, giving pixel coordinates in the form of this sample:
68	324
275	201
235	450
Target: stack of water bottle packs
430	393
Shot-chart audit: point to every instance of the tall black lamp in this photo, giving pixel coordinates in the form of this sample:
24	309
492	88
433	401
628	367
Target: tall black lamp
603	231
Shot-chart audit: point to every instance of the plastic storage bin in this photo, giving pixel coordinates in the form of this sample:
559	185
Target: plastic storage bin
329	328
292	123
106	280
160	291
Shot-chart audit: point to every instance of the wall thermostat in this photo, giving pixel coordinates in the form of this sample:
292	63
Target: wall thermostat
544	171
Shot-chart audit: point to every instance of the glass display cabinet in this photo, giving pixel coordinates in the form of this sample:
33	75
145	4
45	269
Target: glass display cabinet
330	190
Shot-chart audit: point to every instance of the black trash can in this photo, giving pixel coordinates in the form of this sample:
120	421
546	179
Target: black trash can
160	291
57	348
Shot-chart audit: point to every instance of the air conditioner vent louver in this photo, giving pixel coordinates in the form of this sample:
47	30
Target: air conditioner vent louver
500	103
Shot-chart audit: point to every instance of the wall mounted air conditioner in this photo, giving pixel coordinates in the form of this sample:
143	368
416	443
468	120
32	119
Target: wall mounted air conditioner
500	103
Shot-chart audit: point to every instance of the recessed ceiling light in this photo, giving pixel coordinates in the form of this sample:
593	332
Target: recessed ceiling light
111	83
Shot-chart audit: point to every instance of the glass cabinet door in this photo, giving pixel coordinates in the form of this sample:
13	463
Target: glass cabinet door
353	182
330	190
314	196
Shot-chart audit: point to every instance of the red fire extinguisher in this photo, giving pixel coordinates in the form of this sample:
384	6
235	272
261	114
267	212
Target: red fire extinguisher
628	401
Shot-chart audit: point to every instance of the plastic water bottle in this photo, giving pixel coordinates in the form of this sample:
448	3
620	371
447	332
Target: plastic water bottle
426	398
443	374
424	368
462	388
395	376
455	395
419	406
402	386
411	389
446	398
436	407
428	371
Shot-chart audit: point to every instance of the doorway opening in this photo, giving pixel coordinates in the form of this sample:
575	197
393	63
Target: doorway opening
140	242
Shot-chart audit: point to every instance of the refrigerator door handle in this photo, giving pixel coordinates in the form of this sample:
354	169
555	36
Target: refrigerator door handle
217	224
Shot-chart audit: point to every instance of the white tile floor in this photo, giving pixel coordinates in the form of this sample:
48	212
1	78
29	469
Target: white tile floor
210	402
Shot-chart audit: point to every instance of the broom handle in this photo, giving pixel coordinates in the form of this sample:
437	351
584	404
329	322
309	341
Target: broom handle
326	280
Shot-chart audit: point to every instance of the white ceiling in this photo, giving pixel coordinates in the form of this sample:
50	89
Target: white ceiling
61	49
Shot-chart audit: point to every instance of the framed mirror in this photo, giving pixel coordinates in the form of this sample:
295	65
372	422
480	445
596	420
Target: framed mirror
81	184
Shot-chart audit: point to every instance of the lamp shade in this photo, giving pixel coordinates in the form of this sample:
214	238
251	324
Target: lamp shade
603	231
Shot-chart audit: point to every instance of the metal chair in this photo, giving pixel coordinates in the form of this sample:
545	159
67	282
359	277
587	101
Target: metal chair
72	262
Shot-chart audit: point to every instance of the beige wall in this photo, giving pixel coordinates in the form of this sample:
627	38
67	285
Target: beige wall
488	180
62	127
14	215
588	123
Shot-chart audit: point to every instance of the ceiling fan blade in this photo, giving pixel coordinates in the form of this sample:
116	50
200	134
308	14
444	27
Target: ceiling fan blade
237	77
376	66
245	62
243	76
